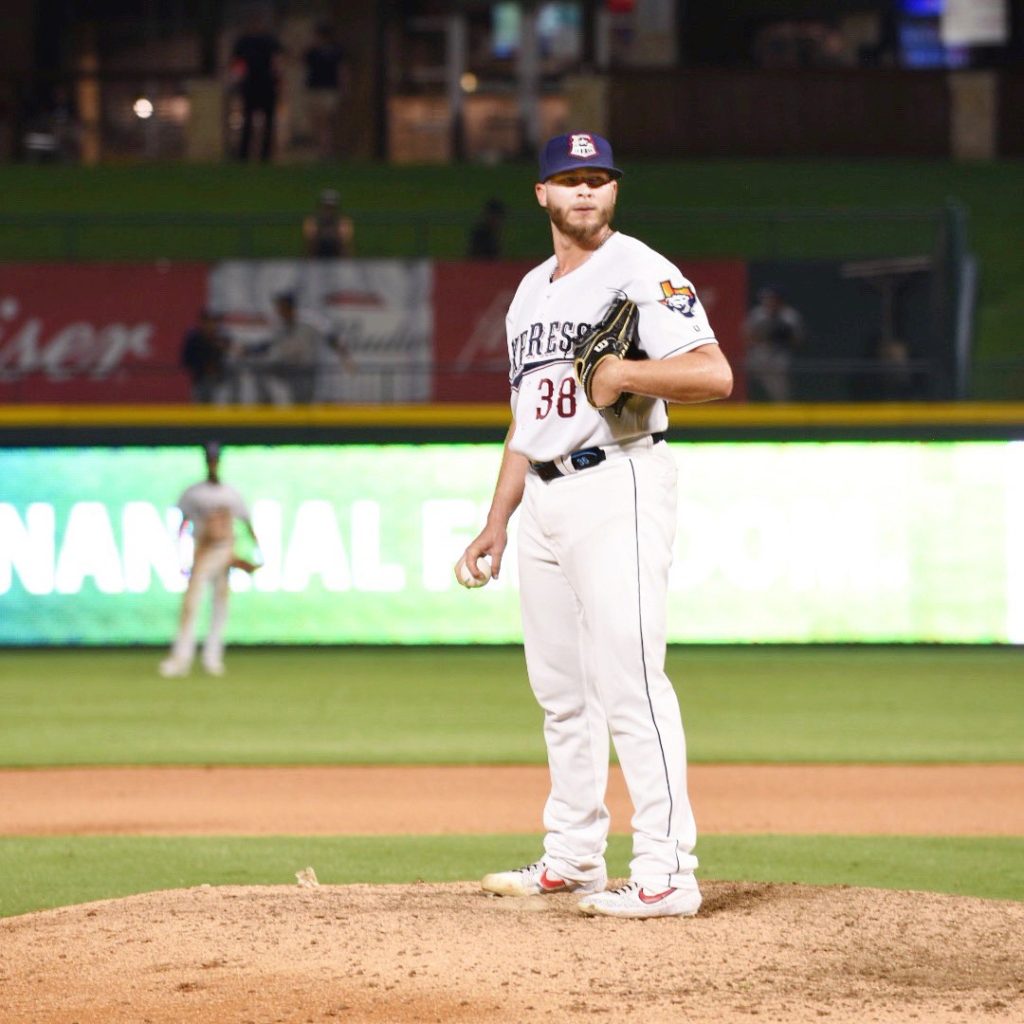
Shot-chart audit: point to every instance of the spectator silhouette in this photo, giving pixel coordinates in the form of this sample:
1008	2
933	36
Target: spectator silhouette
774	330
326	82
204	354
328	233
485	240
256	70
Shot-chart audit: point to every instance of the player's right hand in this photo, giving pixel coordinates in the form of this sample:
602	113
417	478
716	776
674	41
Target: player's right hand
490	542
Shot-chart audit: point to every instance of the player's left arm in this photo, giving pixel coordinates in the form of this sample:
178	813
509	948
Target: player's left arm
253	560
701	375
240	508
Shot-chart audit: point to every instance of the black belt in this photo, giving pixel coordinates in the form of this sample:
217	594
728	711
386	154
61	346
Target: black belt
583	458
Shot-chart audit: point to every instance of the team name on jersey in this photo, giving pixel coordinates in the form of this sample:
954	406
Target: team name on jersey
541	344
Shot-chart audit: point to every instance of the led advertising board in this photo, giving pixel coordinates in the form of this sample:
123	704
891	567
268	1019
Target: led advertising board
777	542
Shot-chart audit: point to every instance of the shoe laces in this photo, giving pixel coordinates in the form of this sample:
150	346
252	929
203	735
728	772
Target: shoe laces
627	889
529	869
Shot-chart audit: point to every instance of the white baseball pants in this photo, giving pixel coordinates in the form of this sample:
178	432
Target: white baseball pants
211	566
594	555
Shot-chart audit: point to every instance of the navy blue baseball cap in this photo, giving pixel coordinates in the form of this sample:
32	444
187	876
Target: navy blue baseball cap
577	151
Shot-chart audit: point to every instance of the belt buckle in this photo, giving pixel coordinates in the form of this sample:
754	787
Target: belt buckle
585	458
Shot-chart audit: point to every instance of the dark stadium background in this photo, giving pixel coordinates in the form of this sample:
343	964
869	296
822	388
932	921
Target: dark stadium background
787	132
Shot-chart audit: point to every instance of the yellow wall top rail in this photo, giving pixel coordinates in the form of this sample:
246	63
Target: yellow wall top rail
712	416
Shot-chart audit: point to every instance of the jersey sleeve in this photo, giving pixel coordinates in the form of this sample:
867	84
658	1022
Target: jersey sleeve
672	319
188	505
239	509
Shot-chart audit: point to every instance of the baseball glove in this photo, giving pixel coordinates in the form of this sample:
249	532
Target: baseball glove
615	337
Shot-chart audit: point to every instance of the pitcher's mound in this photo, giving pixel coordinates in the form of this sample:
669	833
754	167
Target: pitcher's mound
449	953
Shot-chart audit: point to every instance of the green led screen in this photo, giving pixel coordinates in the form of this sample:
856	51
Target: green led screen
777	542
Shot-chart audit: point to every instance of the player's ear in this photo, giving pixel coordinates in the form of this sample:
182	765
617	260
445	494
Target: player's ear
541	192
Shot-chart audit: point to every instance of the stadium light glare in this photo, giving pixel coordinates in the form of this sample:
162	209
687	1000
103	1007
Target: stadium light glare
143	108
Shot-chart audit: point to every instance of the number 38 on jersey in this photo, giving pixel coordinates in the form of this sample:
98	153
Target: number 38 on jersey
556	398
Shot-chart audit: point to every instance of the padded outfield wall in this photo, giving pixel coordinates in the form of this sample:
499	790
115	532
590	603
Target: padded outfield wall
412	330
424	330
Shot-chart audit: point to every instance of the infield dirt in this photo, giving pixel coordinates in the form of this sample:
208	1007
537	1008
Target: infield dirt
449	953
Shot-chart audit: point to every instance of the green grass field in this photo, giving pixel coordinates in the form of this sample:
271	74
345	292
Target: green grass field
687	208
473	705
57	871
418	706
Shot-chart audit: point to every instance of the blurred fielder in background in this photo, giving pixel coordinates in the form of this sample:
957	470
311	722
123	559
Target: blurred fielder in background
300	360
211	507
774	332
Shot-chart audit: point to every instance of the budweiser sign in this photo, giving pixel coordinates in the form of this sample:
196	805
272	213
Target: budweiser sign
79	349
96	333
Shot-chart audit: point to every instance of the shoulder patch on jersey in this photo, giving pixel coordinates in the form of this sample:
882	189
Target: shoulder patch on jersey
678	299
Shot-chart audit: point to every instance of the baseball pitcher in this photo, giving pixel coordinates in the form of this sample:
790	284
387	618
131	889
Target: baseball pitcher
600	337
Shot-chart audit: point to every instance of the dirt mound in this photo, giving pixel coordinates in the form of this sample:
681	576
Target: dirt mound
449	953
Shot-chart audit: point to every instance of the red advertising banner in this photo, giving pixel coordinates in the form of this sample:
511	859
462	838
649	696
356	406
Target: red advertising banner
722	287
471	299
96	332
112	333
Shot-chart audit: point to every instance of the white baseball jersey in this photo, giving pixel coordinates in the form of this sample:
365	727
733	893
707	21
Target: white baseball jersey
207	501
547	317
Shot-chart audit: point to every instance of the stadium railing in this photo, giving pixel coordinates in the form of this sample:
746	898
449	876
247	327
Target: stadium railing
765	233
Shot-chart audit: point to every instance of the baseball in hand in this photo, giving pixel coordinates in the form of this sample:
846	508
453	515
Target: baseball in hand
467	579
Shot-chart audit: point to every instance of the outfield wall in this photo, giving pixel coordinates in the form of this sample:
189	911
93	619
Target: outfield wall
413	331
779	541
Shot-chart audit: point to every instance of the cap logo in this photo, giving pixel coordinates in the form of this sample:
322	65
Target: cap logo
582	146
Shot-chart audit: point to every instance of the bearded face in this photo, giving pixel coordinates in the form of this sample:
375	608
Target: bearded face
580	206
579	225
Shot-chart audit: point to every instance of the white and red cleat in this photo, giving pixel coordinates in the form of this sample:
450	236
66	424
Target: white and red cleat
537	880
634	900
